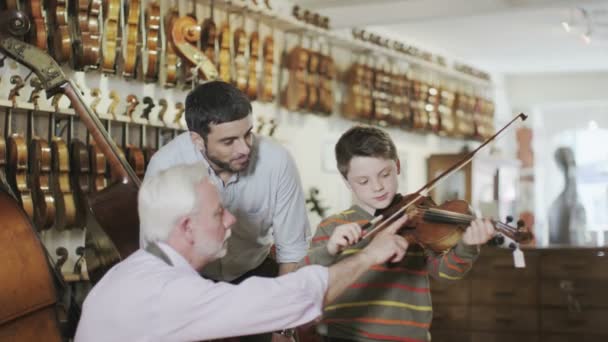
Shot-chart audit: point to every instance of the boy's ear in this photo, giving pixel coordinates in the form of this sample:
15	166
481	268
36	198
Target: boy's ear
198	141
398	162
347	183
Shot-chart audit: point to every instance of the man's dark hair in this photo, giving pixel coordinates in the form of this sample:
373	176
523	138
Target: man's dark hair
363	141
215	102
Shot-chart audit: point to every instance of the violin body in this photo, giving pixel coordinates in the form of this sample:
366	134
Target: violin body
424	229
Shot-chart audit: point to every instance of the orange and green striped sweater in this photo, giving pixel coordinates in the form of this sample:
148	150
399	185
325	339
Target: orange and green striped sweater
388	303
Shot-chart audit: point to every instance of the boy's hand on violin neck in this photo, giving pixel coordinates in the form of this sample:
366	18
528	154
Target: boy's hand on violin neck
387	245
343	236
479	232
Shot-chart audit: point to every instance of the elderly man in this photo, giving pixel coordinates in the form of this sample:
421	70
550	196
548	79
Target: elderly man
156	294
257	179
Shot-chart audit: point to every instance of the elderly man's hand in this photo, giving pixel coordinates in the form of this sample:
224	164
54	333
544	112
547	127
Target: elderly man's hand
479	232
387	245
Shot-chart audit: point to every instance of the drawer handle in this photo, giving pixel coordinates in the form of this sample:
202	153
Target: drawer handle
508	293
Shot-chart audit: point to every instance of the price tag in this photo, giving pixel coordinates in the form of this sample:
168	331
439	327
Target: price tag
518	258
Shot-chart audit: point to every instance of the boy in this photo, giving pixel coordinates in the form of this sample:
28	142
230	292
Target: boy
388	303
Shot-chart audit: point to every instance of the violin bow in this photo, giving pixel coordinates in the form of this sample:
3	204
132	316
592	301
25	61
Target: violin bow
378	223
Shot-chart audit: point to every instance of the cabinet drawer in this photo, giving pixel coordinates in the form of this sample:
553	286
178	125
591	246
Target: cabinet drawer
499	264
451	292
504	318
589	321
504	337
587	293
580	263
508	292
449	336
451	317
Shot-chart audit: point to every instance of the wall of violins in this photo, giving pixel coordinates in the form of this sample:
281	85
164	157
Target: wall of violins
134	62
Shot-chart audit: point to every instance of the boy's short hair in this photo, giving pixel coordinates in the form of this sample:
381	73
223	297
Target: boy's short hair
363	141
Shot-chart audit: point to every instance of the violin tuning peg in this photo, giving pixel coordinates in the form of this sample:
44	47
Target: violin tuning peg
509	219
497	240
521	224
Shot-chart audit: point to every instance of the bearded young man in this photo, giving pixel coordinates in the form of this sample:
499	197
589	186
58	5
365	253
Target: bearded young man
257	180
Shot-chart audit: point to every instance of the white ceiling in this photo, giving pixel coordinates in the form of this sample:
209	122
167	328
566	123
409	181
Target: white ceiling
506	36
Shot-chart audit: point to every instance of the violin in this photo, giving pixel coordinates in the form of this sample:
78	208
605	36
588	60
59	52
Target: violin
171	59
17	156
134	154
312	82
209	37
240	61
446	116
67	215
38	34
267	94
252	77
151	60
39	153
297	88
62	39
224	57
432	102
438	227
110	37
132	34
143	134
327	73
90	34
97	159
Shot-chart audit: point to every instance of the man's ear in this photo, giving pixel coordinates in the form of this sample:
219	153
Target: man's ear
184	226
198	141
398	162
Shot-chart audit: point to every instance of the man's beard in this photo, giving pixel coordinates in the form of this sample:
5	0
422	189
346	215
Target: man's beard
225	166
222	165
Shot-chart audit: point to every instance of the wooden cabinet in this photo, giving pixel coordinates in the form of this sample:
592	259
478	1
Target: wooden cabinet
562	295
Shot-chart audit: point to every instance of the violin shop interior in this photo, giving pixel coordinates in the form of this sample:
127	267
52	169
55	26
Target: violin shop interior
514	88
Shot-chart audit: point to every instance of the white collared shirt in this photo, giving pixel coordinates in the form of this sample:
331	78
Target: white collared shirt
266	199
144	299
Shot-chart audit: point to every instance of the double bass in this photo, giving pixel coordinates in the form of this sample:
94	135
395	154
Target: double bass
27	304
114	207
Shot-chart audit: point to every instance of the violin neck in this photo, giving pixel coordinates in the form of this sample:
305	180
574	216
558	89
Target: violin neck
444	216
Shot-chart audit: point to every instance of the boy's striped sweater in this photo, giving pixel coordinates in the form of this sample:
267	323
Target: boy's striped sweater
389	302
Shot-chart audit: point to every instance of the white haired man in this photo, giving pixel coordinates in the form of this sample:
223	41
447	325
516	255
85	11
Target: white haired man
156	293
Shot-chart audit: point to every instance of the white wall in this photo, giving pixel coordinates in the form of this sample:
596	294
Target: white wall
559	104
